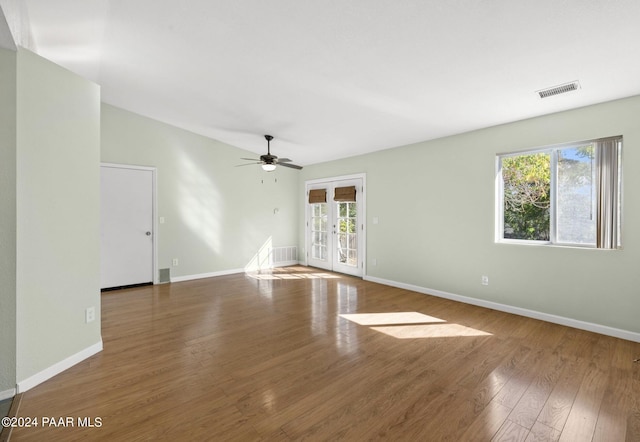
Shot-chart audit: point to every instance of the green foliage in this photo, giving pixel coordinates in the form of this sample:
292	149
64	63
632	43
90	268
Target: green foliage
586	151
347	219
527	196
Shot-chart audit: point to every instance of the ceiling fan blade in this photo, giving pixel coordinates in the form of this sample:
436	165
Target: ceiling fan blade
292	166
269	161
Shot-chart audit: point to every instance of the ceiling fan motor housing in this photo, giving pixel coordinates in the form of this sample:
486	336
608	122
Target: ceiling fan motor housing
268	159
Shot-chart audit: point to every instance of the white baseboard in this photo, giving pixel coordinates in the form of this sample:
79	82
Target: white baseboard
58	367
226	272
205	275
569	322
7	394
286	264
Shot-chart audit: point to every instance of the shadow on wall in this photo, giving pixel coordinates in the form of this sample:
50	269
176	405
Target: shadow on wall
261	260
200	203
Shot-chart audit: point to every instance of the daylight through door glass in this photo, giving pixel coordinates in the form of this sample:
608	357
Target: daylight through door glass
347	243
319	231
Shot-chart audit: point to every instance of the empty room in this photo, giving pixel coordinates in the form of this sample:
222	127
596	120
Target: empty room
295	220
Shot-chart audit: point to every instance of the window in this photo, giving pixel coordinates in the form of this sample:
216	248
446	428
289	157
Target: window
567	195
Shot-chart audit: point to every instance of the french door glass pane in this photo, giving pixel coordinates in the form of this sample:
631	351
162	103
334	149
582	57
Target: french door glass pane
319	252
576	196
346	247
342	247
319	231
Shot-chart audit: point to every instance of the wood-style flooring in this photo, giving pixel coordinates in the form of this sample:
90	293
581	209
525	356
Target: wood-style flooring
303	354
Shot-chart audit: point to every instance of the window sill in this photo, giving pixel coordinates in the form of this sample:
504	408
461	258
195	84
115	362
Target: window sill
552	245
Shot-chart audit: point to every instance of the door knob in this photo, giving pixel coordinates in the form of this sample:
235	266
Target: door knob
148	233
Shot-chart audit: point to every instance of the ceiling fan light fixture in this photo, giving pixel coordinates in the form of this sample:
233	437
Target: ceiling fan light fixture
268	167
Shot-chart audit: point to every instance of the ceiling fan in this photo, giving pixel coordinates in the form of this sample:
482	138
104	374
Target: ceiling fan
269	162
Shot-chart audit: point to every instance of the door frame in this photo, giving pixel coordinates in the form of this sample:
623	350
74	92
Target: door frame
154	209
362	240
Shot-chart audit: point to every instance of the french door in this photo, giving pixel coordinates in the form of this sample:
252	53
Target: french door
335	225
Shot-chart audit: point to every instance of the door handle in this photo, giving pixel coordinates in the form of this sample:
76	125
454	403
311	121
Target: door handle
148	233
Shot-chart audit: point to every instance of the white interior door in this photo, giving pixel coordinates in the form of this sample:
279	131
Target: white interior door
335	226
127	256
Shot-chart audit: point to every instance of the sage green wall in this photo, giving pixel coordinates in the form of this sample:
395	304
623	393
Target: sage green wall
436	207
217	216
58	214
7	220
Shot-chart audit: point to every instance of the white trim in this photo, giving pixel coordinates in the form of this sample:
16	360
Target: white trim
7	394
156	230
362	215
285	264
561	320
205	275
58	367
499	201
127	166
154	208
338	178
227	272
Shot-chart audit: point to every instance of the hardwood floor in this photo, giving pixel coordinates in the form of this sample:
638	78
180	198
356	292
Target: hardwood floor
269	357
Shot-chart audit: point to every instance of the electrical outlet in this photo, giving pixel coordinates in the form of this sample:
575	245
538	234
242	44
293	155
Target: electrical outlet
484	280
175	262
90	315
374	262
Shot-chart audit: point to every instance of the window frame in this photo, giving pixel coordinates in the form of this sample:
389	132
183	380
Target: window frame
553	150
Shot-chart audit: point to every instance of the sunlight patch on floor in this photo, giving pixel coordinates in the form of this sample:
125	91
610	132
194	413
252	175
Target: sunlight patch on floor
290	272
392	318
412	325
292	276
429	331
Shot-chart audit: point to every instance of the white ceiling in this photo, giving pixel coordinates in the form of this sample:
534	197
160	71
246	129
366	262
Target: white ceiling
336	78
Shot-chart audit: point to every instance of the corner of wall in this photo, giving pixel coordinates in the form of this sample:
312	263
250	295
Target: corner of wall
57	216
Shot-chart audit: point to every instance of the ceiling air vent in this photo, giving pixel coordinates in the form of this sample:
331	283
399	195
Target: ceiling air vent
561	89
